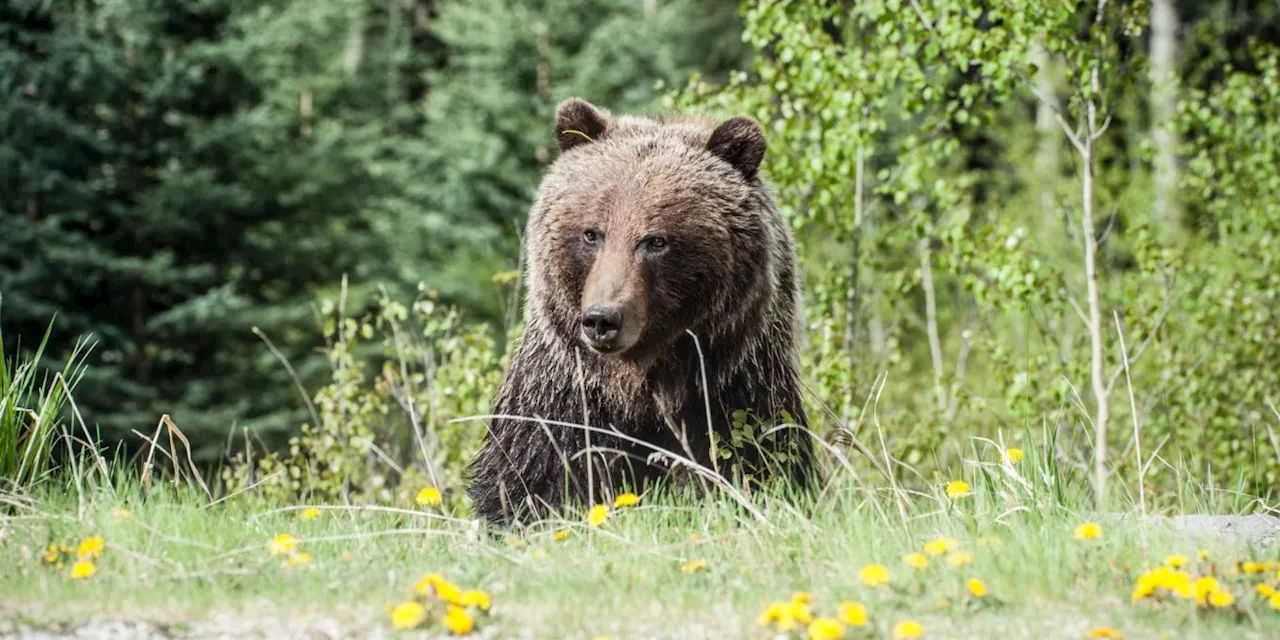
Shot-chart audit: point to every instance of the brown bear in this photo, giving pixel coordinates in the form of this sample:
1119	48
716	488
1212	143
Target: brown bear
663	296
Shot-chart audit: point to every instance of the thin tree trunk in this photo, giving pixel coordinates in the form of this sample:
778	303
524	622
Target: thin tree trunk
1098	380
1164	98
1048	135
931	322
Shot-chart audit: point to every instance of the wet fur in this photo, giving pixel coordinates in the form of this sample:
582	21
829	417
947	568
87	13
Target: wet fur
729	277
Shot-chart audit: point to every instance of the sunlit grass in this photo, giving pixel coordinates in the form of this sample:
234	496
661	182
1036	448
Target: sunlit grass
1007	557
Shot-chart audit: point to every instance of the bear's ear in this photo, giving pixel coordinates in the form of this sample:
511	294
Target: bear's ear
740	142
579	122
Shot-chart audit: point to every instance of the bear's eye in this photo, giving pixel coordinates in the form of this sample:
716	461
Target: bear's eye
591	236
655	243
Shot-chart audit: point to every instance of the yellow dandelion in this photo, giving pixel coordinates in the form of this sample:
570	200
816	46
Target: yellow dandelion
960	559
801	597
826	629
475	598
852	613
771	614
82	569
1177	561
908	629
562	534
51	554
90	547
597	515
429	497
916	560
435	584
1221	599
346	556
1265	590
310	513
693	566
1275	601
626	500
1251	567
281	544
1105	632
957	489
408	615
796	612
296	559
1014	456
940	546
121	513
1203	554
977	588
1088	531
874	575
1203	587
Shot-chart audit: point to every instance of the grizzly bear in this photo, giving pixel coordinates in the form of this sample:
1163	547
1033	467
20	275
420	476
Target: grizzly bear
662	321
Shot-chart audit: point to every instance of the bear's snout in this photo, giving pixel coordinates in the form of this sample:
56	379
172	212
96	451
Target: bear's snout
601	326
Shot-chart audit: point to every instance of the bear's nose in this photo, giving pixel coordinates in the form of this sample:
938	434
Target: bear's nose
601	325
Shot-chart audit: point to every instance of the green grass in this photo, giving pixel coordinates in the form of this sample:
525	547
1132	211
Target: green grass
177	560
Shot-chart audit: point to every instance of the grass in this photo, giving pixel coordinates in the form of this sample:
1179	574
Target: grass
176	560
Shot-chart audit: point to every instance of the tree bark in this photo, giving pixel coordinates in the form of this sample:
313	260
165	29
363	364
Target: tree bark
1164	98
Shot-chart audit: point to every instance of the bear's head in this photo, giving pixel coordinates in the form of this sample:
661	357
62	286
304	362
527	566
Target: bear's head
644	229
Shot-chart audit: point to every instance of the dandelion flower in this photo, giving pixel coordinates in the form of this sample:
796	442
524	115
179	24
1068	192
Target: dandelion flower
310	513
957	489
1105	632
977	588
874	575
346	556
826	629
626	500
1088	531
597	515
1203	554
693	566
801	597
852	613
939	546
916	560
1251	567
475	598
960	559
1221	599
281	544
908	629
408	615
296	559
82	569
561	534
434	583
1014	456
772	613
1177	561
795	612
1203	588
51	554
428	497
1265	590
1274	600
90	547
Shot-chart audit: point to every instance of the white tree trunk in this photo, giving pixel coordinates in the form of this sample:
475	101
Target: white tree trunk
1164	98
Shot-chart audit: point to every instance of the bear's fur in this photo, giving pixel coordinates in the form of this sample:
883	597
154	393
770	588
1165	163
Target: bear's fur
660	230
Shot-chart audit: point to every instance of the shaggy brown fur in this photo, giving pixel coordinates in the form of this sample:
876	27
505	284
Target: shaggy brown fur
643	232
